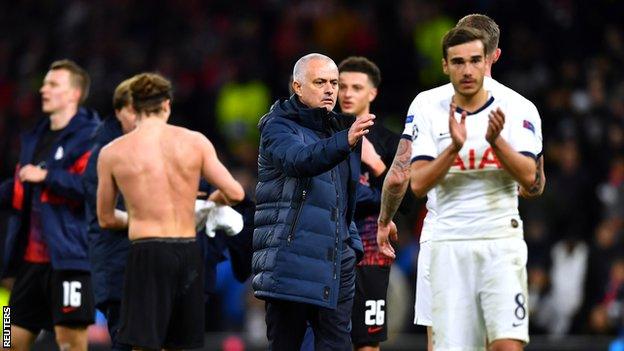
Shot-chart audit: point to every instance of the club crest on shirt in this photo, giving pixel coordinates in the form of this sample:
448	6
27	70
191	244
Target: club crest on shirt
59	153
414	132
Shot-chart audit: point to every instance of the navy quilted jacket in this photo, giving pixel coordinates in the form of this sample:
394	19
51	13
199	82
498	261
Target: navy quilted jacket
296	241
62	196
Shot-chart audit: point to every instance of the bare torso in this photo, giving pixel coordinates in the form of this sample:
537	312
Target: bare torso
157	169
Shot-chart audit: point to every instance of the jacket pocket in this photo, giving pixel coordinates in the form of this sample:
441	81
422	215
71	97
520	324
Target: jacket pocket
303	193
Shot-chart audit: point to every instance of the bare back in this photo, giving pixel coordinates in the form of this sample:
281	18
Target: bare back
157	169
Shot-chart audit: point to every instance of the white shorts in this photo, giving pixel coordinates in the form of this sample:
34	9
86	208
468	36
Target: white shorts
479	292
422	307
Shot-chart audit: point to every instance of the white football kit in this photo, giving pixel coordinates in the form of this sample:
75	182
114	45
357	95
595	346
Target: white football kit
474	204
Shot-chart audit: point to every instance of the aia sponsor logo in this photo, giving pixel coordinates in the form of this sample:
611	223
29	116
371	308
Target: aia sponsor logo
486	160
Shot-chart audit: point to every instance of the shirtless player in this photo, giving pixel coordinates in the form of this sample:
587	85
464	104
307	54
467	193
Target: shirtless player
157	168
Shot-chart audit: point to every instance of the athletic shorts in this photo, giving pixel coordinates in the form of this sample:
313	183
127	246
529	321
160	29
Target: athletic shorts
479	290
163	300
368	318
43	297
422	307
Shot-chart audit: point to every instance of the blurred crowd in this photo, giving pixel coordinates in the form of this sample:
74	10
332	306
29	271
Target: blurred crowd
229	60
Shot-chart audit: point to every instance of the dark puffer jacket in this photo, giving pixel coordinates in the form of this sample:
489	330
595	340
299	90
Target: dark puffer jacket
297	237
61	196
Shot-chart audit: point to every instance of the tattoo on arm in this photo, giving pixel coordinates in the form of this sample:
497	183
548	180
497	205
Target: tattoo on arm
396	182
538	184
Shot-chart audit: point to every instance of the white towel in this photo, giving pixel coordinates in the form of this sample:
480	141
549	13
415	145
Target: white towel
214	217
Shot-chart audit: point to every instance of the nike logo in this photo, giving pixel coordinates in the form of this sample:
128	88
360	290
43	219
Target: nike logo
373	330
68	309
445	134
516	324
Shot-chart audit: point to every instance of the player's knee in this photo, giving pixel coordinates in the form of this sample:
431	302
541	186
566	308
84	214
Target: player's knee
71	339
506	345
21	339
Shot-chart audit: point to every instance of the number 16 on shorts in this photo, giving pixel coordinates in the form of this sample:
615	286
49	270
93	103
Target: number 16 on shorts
375	313
72	297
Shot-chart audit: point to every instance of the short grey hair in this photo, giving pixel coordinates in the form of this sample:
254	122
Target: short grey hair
301	64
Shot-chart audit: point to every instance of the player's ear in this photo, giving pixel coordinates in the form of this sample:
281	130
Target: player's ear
166	106
296	87
372	94
496	55
445	66
76	95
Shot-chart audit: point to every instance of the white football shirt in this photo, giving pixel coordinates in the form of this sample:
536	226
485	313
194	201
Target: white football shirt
477	198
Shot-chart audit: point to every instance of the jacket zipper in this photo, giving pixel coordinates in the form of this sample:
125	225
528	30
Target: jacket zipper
337	240
294	224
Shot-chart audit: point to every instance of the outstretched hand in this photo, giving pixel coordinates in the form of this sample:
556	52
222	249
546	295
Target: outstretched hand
359	128
457	129
384	233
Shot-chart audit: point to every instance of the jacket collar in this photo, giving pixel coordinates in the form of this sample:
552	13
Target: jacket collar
83	117
318	119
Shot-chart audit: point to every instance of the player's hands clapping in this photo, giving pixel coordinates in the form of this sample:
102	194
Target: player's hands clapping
359	128
457	129
495	125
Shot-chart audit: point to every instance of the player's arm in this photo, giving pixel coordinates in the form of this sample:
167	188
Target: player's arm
68	182
428	172
230	192
395	183
108	216
392	193
521	167
371	158
539	184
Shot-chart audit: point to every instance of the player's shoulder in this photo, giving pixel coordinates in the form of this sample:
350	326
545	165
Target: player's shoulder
183	132
116	145
509	95
435	97
436	94
113	148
